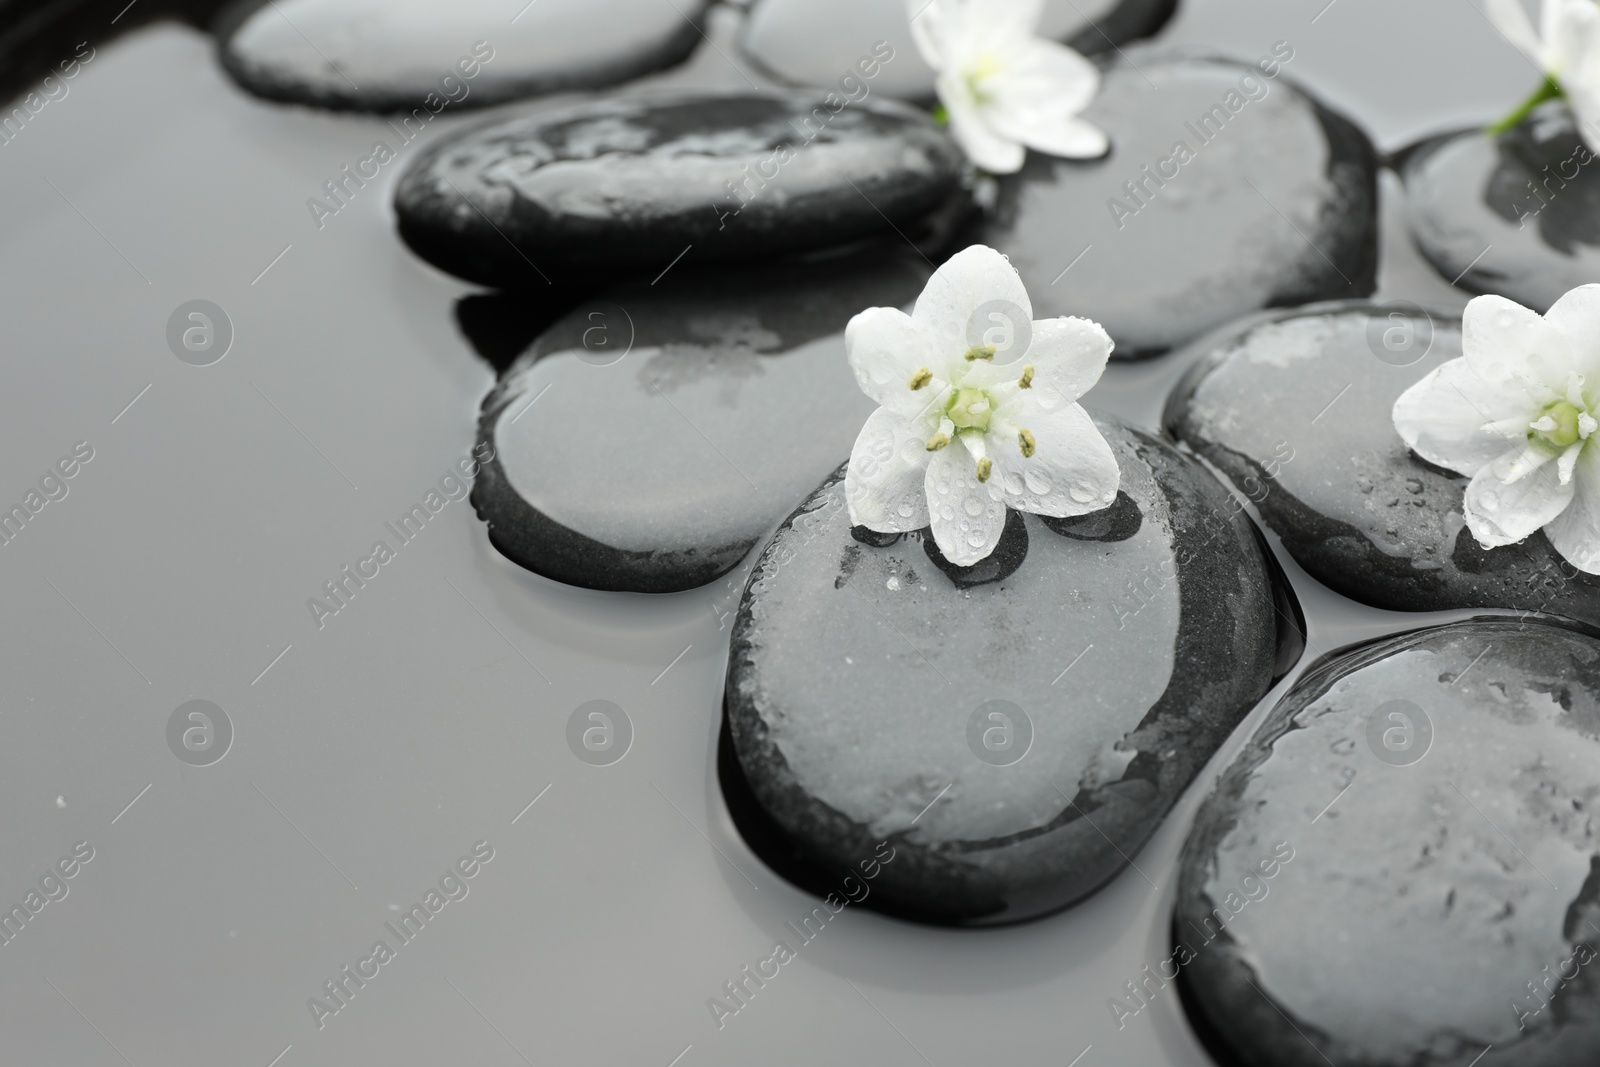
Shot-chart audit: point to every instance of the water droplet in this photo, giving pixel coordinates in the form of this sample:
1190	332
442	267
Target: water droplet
893	583
1082	492
947	513
1038	483
974	506
905	509
977	539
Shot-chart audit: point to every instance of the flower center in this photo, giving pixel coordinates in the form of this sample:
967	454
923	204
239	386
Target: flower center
978	72
1561	425
969	409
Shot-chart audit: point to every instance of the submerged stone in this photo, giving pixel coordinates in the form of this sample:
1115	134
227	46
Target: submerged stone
1295	409
1017	729
644	185
396	55
1402	868
1226	191
650	438
856	43
1516	214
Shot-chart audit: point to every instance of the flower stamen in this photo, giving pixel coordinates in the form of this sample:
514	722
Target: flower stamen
1026	443
1559	427
985	465
1026	381
979	352
938	441
920	379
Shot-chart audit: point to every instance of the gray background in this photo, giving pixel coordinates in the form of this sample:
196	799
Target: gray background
431	711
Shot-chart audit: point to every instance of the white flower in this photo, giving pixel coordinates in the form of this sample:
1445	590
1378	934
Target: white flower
1518	414
1003	87
958	438
1566	48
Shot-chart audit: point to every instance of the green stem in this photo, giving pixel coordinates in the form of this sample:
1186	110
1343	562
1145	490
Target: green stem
1550	89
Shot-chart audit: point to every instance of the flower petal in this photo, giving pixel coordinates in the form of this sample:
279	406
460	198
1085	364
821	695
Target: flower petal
1511	346
931	25
1042	88
1500	514
1571	30
969	125
1577	315
1072	470
1068	355
886	349
884	484
977	277
1583	95
966	515
1448	418
1513	22
1575	533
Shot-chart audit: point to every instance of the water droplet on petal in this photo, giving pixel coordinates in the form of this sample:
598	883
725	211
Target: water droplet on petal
1038	482
905	509
974	506
1082	492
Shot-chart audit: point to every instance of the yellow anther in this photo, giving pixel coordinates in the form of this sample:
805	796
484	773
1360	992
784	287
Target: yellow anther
980	352
921	378
1026	381
1025	439
938	441
985	465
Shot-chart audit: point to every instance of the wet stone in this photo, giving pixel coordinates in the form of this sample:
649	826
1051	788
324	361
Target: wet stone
626	185
390	55
1517	214
1295	409
649	439
1210	205
821	42
1008	729
1402	867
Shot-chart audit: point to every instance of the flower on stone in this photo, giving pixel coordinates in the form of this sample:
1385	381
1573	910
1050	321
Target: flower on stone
966	430
1566	47
1517	413
1004	88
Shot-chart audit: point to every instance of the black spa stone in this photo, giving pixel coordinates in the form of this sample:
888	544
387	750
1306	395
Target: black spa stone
1016	731
1516	214
1403	866
650	438
628	185
1295	408
390	55
1275	206
822	42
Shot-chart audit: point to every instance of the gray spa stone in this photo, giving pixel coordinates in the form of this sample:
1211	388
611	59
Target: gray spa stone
1294	407
1440	903
1275	206
820	42
1122	648
389	55
650	438
681	178
1517	215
